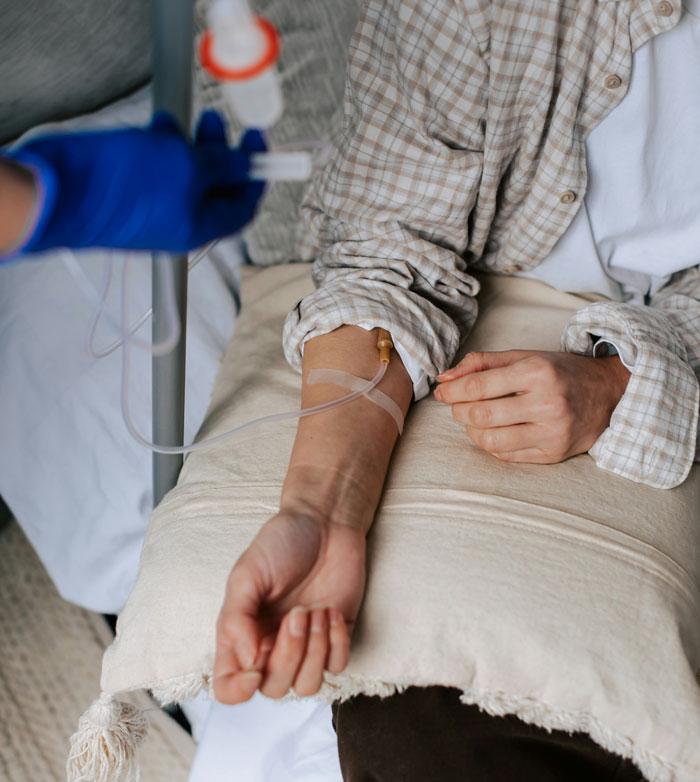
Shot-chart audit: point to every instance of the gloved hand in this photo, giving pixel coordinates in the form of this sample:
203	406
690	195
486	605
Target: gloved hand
140	189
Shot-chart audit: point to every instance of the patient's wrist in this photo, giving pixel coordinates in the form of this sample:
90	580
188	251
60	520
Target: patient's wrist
328	495
618	376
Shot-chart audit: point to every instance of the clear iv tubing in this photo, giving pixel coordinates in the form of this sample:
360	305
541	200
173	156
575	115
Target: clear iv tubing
175	449
174	331
161	348
166	345
98	300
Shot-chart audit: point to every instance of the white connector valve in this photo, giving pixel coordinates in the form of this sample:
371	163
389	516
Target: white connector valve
240	50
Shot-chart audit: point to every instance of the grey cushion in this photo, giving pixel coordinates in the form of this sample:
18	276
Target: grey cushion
61	58
315	36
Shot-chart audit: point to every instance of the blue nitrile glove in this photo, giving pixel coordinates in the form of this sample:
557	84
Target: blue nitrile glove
140	188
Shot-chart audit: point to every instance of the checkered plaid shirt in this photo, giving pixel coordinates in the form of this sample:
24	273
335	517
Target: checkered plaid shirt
463	145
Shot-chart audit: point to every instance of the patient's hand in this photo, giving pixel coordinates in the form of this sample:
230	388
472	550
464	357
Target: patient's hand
291	603
533	406
275	630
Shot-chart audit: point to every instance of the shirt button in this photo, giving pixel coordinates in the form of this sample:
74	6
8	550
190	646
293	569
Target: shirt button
664	8
567	197
612	81
491	246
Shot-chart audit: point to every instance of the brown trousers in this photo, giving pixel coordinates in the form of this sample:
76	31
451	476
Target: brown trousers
426	735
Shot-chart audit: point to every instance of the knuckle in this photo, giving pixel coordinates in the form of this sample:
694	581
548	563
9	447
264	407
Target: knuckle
338	664
548	372
481	416
474	386
309	686
558	455
543	368
221	692
562	433
273	690
470	358
559	406
488	441
567	428
559	386
226	625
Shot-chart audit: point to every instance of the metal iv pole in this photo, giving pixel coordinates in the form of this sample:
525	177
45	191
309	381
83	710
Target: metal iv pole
172	92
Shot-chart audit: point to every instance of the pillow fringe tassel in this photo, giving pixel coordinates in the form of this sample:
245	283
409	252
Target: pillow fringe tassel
105	746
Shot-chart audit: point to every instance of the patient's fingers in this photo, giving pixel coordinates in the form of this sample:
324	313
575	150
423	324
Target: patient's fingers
238	687
266	646
507	438
489	384
497	412
234	685
527	456
479	361
240	622
238	633
287	654
310	676
228	687
339	642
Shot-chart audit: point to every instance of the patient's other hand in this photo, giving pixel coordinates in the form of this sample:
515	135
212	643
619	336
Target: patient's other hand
290	607
532	405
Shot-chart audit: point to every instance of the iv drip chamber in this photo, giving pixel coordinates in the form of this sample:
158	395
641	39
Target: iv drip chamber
240	50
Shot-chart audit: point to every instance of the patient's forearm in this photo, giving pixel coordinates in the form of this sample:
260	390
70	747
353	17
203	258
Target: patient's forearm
16	203
340	457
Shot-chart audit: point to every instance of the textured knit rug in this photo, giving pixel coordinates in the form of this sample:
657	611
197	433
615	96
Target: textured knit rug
50	660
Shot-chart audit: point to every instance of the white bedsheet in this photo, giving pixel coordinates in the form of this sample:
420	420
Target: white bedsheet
267	741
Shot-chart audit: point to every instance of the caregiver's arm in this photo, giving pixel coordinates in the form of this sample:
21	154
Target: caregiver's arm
312	553
135	188
16	202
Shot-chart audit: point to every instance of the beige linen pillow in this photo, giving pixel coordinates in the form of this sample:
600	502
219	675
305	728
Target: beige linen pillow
562	594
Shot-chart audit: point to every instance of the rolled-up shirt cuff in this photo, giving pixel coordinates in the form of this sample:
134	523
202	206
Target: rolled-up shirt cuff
426	338
420	380
653	430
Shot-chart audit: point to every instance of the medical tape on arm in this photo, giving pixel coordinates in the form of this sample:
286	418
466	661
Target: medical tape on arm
339	378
